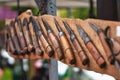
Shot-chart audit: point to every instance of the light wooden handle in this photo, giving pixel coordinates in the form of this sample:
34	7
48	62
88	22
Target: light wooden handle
68	53
56	45
46	45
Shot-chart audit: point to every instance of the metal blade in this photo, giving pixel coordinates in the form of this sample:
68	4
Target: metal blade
83	35
25	23
8	30
67	27
35	23
80	30
3	37
94	27
12	24
47	26
19	23
57	25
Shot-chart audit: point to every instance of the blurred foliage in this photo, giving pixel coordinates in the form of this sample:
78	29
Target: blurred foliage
67	74
22	9
2	23
82	13
62	13
7	74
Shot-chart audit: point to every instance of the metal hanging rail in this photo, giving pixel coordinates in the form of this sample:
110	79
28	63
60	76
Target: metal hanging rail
49	7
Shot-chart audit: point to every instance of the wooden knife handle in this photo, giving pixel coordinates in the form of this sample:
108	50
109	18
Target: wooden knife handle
46	45
17	46
12	47
96	55
22	43
68	53
29	42
56	45
82	55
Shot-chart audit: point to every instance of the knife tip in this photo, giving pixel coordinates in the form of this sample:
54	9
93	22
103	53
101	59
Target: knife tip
90	23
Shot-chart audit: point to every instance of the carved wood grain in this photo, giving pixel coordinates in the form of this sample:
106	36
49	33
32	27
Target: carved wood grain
110	69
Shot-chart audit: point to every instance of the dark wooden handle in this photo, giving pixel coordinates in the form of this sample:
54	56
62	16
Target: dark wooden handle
106	48
11	46
15	41
27	37
28	41
82	55
46	45
17	46
68	53
37	46
96	55
56	45
22	43
35	41
38	51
